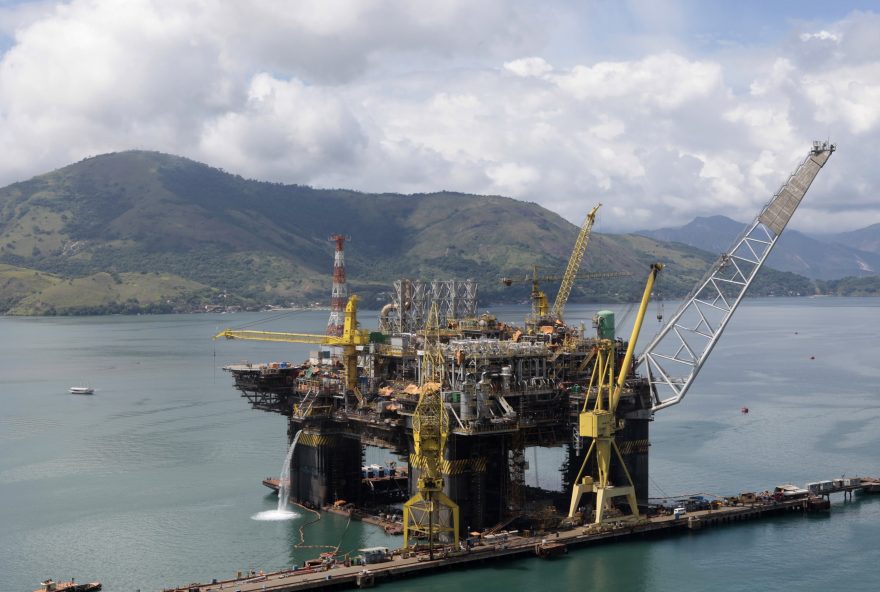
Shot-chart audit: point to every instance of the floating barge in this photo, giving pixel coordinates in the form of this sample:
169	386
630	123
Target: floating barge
547	549
403	563
51	585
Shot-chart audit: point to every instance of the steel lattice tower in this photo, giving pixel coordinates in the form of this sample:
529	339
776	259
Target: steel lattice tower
339	296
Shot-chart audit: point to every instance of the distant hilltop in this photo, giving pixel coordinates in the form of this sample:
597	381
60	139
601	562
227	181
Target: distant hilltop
144	231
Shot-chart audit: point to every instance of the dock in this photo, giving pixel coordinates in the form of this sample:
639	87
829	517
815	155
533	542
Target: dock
404	563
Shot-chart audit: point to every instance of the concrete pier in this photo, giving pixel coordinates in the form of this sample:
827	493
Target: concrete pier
340	573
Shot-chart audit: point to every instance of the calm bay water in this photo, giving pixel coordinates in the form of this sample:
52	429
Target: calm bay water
153	481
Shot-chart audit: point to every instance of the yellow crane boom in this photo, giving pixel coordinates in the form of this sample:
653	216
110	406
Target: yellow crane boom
351	337
540	307
351	334
600	424
276	336
574	263
430	429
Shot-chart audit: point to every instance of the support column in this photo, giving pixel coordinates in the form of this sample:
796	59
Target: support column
325	469
632	441
476	477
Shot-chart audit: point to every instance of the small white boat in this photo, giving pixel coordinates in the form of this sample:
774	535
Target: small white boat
81	390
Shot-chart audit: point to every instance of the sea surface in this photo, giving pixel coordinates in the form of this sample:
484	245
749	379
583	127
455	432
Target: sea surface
154	480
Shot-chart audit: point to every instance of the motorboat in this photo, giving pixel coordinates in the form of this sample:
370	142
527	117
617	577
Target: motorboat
81	390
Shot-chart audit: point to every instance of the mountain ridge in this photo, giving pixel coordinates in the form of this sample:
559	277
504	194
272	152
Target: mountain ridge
863	239
202	236
813	257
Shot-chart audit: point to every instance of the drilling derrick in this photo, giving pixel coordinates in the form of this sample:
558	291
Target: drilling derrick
339	296
423	513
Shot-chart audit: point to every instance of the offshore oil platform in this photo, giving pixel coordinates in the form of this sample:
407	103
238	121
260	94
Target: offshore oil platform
459	396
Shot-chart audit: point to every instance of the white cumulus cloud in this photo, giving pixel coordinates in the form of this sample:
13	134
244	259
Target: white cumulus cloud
819	36
390	95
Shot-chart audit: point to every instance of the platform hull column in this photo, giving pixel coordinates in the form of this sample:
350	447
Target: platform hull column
325	469
475	475
633	443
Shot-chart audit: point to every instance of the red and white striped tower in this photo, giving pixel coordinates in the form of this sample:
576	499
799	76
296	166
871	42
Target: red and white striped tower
339	297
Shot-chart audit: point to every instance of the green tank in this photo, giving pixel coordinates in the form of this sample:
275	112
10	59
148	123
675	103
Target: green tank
604	323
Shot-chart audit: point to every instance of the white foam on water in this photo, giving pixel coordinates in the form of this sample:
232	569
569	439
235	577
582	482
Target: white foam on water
274	515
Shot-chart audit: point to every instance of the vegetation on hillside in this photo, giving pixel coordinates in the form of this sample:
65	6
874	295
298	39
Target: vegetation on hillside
851	286
148	232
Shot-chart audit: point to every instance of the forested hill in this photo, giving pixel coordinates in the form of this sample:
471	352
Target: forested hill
145	231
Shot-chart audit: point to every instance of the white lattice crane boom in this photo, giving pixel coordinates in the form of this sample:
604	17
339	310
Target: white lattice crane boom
675	356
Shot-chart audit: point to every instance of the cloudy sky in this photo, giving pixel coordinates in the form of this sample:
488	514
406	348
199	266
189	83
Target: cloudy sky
660	109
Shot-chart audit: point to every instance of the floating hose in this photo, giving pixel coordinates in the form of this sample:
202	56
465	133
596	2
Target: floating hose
302	535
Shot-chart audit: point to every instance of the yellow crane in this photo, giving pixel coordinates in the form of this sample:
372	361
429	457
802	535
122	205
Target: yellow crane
600	423
540	308
540	305
351	337
430	428
574	263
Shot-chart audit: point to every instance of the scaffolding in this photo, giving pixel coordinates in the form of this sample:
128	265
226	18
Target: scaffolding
412	299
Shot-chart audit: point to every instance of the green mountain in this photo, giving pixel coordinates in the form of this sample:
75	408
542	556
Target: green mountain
821	258
136	230
864	239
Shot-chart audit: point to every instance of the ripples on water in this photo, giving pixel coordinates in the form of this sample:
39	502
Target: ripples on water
155	480
13	428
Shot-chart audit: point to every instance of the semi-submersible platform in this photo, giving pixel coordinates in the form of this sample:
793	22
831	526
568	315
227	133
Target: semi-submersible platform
460	396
